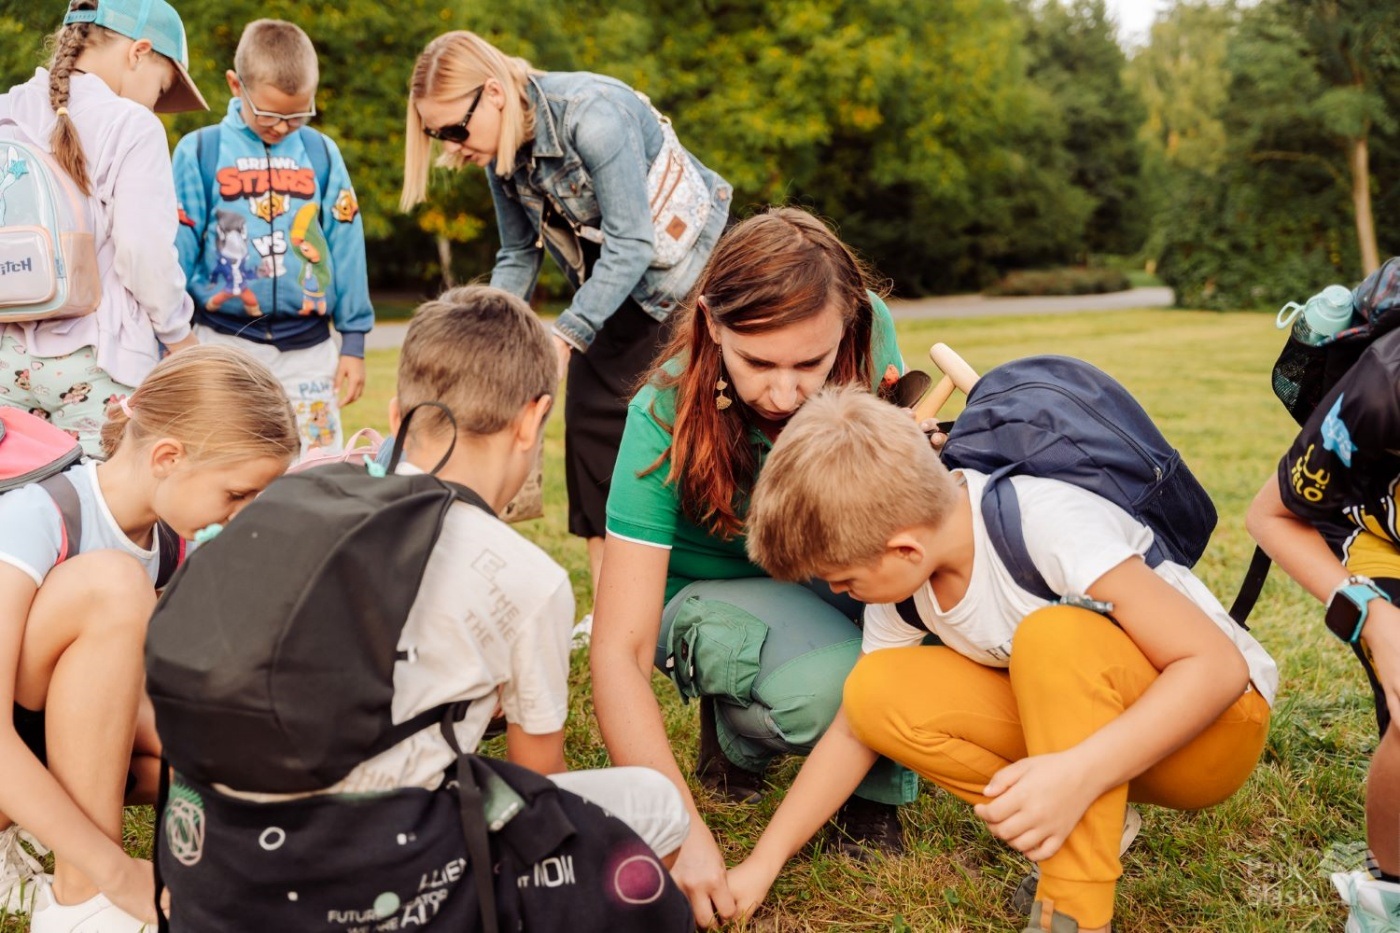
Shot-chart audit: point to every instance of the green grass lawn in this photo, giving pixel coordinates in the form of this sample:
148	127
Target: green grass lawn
1253	863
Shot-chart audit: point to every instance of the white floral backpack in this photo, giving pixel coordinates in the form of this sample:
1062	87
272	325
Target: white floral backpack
679	198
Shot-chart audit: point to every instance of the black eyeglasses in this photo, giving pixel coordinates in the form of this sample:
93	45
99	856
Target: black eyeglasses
456	132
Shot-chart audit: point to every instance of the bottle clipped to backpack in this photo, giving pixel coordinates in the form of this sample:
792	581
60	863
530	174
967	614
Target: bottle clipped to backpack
1326	314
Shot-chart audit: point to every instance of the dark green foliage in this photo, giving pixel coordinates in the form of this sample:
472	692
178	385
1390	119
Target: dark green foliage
950	140
1075	58
1253	117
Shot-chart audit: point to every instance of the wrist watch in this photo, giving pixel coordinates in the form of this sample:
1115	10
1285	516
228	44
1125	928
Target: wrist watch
1347	608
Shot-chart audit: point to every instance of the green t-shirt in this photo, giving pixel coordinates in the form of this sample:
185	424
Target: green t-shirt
648	508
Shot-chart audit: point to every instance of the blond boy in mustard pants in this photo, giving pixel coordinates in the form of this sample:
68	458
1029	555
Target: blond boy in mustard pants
1047	718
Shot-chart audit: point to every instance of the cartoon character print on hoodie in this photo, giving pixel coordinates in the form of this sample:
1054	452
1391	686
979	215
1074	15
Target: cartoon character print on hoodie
302	266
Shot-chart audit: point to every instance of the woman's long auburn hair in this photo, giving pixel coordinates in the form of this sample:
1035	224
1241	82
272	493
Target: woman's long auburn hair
774	269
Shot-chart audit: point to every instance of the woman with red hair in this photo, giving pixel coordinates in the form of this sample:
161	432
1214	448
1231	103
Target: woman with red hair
782	309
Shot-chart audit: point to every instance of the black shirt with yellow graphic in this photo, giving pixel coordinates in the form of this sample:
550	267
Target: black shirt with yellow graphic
1341	472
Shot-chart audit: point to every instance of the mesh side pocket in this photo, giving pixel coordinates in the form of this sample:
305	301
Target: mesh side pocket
1180	513
1299	378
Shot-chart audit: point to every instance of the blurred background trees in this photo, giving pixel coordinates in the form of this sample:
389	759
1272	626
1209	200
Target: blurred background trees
1247	154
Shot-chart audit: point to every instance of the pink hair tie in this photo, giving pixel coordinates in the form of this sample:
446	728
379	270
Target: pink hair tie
126	409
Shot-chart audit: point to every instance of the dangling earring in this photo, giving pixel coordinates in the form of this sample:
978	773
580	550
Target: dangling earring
722	401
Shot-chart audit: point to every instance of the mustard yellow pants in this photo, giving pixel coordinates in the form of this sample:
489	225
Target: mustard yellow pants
957	723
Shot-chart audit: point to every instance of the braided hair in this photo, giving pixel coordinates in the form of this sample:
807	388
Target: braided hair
67	43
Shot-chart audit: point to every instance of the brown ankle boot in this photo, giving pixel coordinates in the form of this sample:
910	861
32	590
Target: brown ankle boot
862	828
716	772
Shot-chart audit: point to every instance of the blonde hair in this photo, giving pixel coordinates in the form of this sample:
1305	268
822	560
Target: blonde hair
481	352
279	53
454	66
220	403
66	44
846	474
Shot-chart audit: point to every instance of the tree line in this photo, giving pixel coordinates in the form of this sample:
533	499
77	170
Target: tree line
1246	152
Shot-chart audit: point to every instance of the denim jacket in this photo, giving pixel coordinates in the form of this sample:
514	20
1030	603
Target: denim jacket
594	142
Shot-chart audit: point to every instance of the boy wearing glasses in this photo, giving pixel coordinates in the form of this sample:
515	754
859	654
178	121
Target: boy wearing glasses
270	235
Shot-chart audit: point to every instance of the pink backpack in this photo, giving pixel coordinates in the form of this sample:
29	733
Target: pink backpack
31	449
34	451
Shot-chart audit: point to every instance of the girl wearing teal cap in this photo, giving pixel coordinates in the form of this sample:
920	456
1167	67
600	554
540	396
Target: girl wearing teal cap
114	62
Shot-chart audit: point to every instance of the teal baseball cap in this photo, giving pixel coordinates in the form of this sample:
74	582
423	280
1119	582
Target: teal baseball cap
158	22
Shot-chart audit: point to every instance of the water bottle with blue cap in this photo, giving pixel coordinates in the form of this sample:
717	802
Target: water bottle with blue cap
1324	316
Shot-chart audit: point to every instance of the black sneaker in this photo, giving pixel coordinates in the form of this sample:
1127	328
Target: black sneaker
862	828
716	772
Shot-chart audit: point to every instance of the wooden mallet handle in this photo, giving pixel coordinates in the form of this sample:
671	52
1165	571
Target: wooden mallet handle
953	366
936	398
956	375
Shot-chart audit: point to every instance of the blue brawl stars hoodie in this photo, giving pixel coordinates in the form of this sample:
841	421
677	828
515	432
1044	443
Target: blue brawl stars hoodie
271	252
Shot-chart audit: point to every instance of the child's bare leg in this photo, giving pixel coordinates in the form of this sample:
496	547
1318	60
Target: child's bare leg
1383	802
145	757
81	662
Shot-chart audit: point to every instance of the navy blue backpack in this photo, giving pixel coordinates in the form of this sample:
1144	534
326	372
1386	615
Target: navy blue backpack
1060	418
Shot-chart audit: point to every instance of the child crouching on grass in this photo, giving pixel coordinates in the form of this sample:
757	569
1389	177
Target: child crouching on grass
1047	718
201	436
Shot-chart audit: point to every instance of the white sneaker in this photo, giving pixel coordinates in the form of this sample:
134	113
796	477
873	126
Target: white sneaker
1375	905
21	874
95	915
582	633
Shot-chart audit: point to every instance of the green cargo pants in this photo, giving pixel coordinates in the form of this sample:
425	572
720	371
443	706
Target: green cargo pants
775	657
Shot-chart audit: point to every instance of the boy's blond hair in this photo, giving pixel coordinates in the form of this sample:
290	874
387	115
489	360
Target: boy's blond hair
279	53
848	472
481	352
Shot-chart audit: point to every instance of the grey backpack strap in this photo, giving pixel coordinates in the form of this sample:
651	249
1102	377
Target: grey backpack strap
70	512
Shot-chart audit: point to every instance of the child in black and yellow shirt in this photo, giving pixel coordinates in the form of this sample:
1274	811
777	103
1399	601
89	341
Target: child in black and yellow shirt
1329	519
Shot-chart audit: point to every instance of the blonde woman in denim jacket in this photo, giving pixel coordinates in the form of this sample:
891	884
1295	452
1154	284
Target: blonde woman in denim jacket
567	155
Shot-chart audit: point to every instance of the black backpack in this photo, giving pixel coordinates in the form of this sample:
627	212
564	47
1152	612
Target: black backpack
1304	374
270	662
270	658
400	860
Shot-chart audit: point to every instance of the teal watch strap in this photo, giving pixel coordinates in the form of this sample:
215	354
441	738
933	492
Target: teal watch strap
1349	607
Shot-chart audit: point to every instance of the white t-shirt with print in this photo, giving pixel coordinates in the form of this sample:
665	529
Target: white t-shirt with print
493	617
1073	537
31	529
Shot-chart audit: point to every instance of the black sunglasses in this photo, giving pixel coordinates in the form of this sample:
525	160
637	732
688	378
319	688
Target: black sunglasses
456	132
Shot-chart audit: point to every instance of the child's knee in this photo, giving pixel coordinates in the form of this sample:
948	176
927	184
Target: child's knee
115	585
664	821
642	798
1057	635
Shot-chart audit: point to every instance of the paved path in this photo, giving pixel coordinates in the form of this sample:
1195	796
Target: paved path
390	334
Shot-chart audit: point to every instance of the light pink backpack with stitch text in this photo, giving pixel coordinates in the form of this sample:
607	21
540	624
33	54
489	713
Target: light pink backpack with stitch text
48	253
